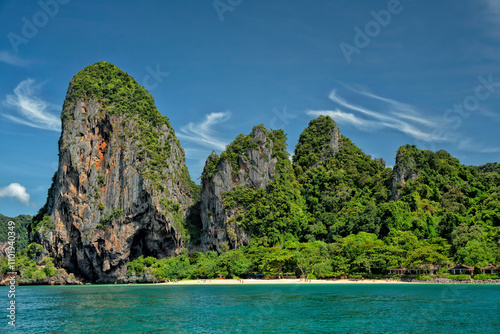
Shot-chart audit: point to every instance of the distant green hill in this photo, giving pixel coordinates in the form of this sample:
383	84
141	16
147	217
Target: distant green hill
22	221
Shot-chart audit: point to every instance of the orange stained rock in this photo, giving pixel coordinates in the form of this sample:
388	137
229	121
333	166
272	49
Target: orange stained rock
72	189
101	148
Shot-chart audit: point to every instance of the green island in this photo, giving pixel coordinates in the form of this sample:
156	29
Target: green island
328	211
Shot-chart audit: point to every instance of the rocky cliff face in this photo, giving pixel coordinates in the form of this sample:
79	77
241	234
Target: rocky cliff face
404	170
122	188
248	162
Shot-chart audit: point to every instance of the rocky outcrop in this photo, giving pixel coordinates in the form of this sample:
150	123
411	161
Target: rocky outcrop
122	188
404	171
248	162
4	249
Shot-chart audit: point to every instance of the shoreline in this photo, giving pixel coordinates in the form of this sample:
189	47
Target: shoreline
201	282
296	281
279	282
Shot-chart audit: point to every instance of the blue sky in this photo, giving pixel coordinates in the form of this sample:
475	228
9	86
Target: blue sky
389	72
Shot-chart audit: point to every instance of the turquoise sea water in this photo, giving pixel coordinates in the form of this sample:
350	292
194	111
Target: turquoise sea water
301	308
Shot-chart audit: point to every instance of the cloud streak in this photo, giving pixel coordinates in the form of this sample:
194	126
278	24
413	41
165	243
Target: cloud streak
204	133
30	110
11	59
467	145
395	115
492	15
17	191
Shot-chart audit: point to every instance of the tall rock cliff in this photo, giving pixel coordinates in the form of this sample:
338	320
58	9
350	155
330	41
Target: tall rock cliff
122	188
404	170
249	162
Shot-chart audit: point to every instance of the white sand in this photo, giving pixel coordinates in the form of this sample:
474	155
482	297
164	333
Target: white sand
280	281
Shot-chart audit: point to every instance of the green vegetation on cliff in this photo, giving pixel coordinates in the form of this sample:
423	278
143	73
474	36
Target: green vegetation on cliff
344	193
272	214
313	142
333	195
115	90
242	143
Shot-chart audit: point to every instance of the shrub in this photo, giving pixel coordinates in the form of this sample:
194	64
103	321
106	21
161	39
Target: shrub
424	278
100	180
106	221
45	223
485	276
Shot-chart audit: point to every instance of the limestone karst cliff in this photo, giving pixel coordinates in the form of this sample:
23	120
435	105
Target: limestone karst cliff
122	188
404	171
249	161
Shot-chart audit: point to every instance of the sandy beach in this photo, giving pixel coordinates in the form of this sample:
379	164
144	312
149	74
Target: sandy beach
280	281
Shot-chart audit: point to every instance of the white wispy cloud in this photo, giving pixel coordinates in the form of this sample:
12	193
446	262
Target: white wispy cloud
17	191
344	117
204	133
391	114
29	109
492	15
488	113
493	7
11	59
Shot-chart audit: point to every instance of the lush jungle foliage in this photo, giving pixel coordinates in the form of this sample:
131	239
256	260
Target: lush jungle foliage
29	265
329	196
355	256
